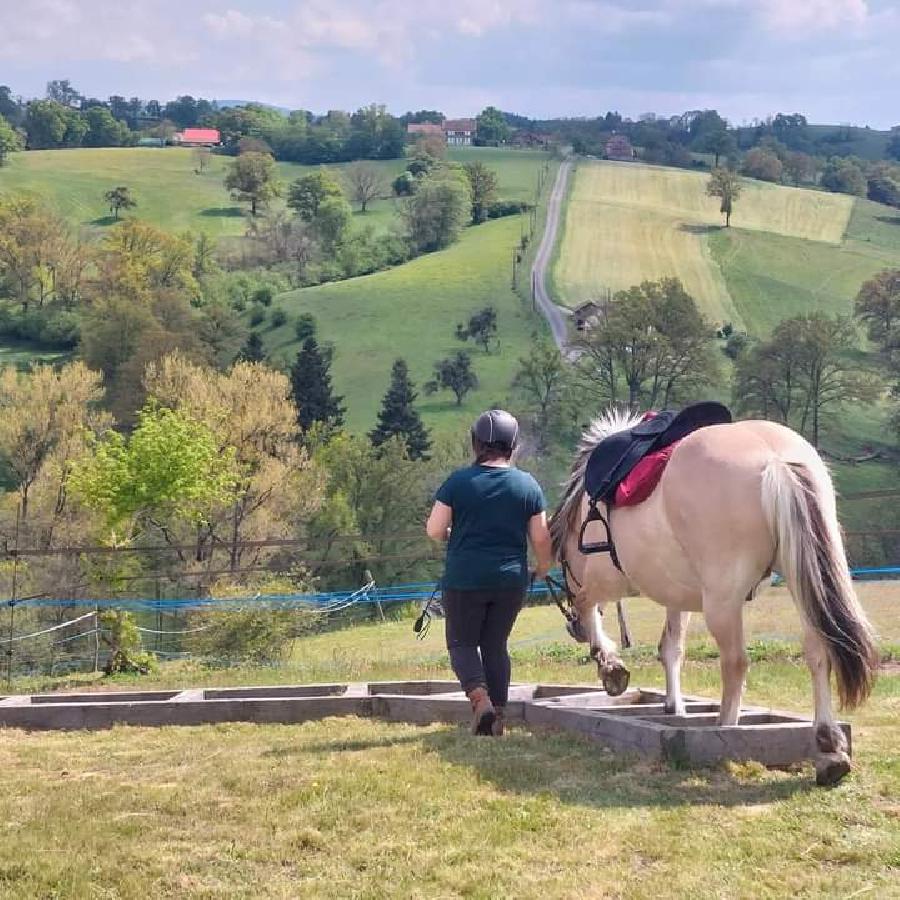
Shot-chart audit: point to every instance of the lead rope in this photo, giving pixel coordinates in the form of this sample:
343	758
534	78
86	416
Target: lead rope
423	622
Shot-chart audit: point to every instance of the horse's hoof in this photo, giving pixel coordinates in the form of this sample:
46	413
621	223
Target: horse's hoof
831	768
615	680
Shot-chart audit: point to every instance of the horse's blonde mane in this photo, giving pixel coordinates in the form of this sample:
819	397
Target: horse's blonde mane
609	422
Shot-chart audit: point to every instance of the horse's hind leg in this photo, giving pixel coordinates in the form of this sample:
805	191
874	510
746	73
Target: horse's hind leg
724	617
671	652
832	761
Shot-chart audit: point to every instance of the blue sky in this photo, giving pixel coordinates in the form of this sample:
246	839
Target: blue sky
835	60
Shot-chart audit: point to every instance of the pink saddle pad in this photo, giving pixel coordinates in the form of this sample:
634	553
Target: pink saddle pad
641	481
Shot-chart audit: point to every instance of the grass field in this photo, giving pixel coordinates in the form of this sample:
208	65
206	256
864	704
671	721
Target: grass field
627	222
171	195
412	311
363	808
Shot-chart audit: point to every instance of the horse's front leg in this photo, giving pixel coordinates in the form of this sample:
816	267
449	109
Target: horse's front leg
611	670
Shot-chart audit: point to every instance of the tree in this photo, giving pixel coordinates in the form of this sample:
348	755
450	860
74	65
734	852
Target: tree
366	183
311	389
63	93
305	326
308	193
763	164
46	415
10	140
542	379
103	130
438	210
45	124
883	185
804	369
483	188
251	179
653	339
454	373
844	176
893	146
332	221
253	350
119	198
202	158
799	167
169	467
877	305
398	416
491	127
724	184
481	328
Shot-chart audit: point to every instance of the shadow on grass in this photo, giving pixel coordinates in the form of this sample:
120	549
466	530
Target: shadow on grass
222	212
578	772
889	220
699	229
104	221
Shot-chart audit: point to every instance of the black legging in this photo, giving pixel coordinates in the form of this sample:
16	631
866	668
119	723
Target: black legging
481	620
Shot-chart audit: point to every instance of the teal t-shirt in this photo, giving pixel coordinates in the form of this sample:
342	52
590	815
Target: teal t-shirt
488	546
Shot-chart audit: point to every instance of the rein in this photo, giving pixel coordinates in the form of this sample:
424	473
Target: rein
556	590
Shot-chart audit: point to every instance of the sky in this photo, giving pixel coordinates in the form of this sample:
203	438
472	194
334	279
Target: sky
836	61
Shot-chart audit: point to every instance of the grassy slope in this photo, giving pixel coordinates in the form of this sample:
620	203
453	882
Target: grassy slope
348	807
412	311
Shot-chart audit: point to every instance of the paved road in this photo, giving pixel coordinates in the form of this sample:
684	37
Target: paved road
546	305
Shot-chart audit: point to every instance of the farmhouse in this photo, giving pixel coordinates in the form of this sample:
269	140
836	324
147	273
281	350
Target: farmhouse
460	132
424	129
198	137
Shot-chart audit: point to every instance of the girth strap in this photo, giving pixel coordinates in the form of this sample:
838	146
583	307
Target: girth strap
607	546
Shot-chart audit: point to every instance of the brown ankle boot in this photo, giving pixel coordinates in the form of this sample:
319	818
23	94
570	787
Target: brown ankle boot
499	720
483	713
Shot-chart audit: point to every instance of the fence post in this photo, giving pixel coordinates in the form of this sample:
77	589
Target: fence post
12	600
97	638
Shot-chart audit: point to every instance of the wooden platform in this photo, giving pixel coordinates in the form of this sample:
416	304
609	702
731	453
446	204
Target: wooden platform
633	722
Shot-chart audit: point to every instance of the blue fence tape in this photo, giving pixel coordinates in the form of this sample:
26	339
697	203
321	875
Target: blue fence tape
401	593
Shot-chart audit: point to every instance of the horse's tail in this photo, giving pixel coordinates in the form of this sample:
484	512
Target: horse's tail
811	558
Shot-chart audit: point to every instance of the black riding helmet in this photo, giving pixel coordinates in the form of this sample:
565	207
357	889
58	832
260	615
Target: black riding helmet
497	428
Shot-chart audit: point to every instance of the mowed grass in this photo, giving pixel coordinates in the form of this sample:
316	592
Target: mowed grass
628	222
172	195
364	808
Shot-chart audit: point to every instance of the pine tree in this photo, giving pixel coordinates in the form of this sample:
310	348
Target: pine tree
311	387
398	416
253	350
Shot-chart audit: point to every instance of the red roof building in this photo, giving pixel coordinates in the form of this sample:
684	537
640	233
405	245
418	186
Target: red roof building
418	129
198	137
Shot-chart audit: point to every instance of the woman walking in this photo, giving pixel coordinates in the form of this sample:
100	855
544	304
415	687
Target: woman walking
488	512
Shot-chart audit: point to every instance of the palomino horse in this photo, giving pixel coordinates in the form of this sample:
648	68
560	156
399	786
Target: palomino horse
735	502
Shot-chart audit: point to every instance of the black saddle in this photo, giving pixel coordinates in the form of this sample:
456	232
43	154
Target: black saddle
614	457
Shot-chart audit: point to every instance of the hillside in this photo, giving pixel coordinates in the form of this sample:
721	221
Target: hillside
626	223
789	251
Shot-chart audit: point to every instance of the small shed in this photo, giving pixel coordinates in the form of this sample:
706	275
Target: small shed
586	315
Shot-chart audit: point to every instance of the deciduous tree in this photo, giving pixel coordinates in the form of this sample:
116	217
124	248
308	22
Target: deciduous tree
251	179
763	164
309	191
119	198
454	373
437	212
877	305
10	140
366	183
724	184
483	188
481	328
491	127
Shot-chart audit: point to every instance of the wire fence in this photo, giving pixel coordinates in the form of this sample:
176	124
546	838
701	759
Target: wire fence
181	601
